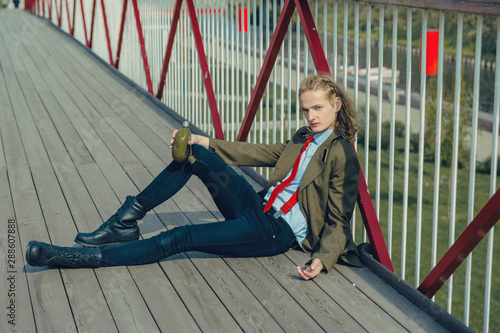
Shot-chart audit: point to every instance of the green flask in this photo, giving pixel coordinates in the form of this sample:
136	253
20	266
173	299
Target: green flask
181	147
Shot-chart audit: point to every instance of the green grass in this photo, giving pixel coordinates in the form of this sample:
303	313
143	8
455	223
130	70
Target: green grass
482	185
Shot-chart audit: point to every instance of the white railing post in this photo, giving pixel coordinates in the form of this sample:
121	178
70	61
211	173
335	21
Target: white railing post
472	173
437	158
392	129
423	77
404	227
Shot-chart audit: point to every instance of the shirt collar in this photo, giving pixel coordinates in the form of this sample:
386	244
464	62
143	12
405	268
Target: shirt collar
321	137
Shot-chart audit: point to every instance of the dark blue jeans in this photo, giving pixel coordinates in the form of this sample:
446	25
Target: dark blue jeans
246	232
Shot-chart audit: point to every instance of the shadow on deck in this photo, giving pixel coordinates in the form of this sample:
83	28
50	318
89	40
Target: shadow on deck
76	138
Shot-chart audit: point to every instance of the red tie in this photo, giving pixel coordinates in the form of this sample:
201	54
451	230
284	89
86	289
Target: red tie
293	200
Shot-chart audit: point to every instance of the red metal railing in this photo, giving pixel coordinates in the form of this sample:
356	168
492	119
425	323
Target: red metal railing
463	246
34	6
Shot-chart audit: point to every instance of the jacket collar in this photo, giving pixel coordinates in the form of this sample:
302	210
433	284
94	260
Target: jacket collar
291	152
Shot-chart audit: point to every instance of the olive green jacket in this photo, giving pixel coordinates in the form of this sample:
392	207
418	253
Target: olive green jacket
328	190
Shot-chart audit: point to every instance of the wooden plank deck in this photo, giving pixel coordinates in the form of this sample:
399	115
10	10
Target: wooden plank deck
76	138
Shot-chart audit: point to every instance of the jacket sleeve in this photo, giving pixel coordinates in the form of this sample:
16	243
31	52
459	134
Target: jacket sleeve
247	154
336	237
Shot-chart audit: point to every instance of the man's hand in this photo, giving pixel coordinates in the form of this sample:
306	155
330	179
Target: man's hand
312	271
194	140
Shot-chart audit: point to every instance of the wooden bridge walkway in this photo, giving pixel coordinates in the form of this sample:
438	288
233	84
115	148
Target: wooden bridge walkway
75	139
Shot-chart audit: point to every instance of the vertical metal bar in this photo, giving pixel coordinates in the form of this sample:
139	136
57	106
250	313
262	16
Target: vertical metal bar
437	156
356	92
325	27
204	116
238	67
275	5
456	134
185	66
379	109
289	97
156	42
177	75
194	78
250	59
227	77
297	71
282	95
233	83
392	129
243	51
472	169
167	16
213	49
335	39
261	64
254	61
189	86
494	167
409	31
346	37
267	97
220	77
367	95
423	67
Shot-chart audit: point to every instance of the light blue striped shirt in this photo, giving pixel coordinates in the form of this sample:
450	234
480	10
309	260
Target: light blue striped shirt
295	218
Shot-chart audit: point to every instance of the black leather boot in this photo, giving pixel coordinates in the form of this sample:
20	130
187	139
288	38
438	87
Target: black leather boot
119	228
43	254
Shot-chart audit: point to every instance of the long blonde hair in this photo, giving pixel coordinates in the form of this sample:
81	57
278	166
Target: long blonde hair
346	123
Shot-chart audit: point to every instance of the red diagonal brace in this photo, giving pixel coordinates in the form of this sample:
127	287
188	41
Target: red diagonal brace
143	48
92	25
84	24
120	38
74	14
205	71
365	204
71	25
58	14
49	9
202	58
312	37
170	45
111	61
463	246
